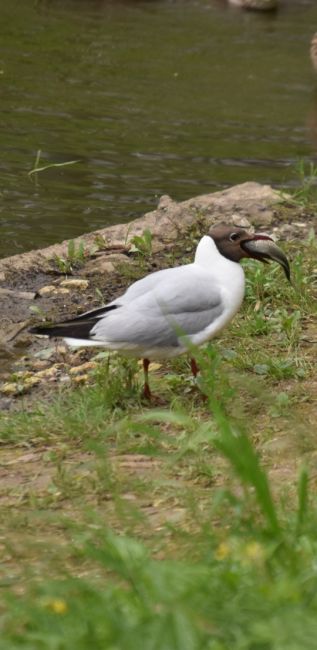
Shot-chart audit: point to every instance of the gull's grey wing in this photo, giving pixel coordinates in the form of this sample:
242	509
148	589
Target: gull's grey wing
152	281
181	304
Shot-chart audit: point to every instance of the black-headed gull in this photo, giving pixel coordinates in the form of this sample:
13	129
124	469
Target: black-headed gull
162	314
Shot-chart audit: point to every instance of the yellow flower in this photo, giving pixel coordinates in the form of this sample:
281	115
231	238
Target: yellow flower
222	551
254	552
57	605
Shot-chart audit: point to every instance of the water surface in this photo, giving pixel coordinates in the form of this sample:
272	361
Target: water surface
153	97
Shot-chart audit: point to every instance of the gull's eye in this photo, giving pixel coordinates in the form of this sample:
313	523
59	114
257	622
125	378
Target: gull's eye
234	236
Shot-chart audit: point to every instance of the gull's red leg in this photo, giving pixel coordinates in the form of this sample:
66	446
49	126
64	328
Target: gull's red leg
146	390
194	367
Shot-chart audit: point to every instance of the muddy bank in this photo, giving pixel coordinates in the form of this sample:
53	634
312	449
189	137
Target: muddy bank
68	278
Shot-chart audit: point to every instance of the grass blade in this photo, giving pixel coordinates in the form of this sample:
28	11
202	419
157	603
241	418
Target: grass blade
302	493
42	169
238	450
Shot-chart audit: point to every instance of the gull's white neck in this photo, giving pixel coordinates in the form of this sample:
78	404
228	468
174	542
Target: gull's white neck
207	254
225	274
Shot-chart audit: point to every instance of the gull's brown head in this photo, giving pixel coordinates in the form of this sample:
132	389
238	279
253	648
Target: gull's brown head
236	243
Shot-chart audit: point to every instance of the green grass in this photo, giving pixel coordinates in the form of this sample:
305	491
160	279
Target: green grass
305	194
142	243
249	582
188	526
74	259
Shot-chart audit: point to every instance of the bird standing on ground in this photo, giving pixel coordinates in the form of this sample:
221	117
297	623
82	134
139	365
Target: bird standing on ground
166	312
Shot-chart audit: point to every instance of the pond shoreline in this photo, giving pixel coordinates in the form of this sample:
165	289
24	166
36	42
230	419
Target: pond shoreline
44	283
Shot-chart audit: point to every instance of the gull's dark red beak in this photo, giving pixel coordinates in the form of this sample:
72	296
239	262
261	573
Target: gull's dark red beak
263	248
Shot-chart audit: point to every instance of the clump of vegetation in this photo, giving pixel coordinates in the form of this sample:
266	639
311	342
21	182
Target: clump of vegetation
305	194
142	244
74	259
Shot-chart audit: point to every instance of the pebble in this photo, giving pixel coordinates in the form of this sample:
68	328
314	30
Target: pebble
39	364
9	388
45	354
77	370
22	374
48	373
31	381
51	290
15	388
75	283
165	202
81	379
46	291
65	379
62	349
241	222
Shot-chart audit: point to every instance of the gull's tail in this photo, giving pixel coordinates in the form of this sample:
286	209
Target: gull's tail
75	328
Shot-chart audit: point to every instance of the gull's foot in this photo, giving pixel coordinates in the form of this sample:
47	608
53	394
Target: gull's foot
150	399
146	394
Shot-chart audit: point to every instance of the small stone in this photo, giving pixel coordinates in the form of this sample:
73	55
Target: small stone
9	388
165	201
48	373
47	353
62	349
89	365
2	276
65	379
39	364
75	283
47	290
51	290
17	388
22	374
31	381
81	379
241	222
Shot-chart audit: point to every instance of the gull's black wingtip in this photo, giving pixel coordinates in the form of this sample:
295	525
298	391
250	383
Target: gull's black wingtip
41	329
287	271
77	327
74	330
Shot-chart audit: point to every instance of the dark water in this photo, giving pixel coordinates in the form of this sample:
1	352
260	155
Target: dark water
152	97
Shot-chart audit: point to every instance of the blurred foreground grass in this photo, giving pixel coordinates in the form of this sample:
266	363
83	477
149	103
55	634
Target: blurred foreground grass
185	527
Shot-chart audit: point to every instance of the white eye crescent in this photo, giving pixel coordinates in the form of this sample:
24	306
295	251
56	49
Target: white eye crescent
234	236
